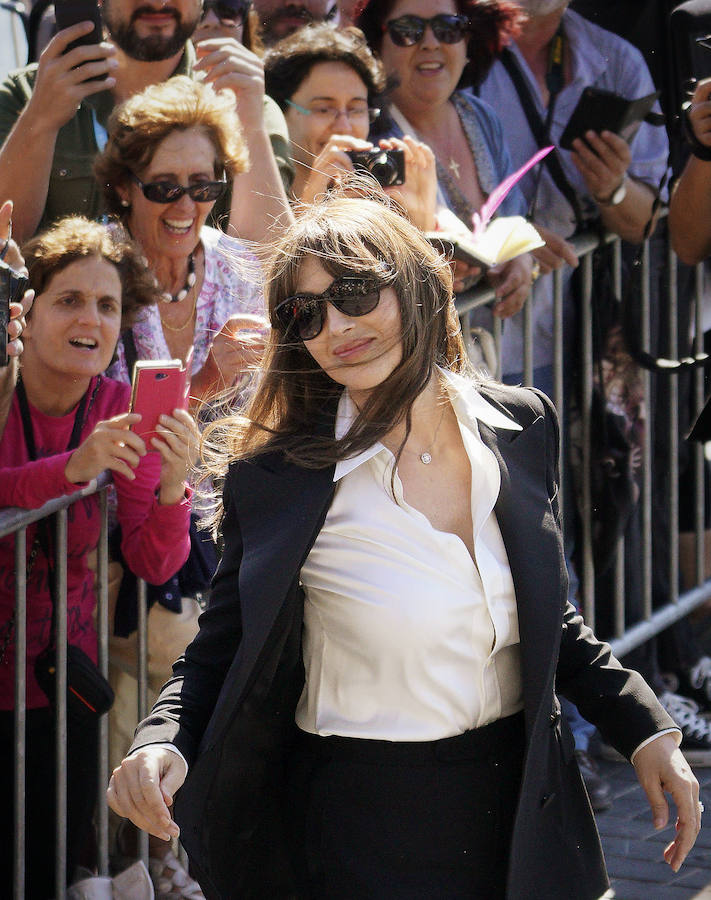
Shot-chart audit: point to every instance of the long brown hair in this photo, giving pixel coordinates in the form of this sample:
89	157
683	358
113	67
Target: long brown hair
294	405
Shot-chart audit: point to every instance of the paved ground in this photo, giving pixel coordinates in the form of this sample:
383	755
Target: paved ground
633	849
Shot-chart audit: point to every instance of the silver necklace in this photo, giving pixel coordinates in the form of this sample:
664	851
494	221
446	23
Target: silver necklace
426	455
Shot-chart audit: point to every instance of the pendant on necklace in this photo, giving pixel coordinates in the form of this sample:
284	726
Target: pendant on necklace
425	458
453	167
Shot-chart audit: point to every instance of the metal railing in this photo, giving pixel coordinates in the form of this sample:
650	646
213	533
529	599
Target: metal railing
625	638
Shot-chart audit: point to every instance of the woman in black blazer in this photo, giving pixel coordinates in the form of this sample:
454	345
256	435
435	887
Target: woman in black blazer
369	709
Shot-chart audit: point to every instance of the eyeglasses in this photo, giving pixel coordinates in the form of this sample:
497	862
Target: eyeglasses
170	192
353	295
331	113
409	30
234	13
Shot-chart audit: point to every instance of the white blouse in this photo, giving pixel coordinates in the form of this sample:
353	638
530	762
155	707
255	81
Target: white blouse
405	636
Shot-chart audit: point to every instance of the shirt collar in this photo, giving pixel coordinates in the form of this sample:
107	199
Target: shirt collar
469	407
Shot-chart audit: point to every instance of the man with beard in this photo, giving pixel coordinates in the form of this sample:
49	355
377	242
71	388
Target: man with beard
53	115
279	19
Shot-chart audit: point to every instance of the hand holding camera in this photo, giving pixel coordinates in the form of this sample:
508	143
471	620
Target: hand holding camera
15	300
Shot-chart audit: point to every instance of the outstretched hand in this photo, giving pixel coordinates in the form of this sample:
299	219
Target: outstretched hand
662	769
142	789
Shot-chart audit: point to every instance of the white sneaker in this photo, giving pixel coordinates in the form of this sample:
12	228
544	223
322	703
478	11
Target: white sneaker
695	730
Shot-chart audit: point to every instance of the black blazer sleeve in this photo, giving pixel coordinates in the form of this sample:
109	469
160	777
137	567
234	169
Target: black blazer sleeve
617	700
187	700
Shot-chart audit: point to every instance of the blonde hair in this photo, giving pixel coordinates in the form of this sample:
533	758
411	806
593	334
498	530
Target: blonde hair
138	126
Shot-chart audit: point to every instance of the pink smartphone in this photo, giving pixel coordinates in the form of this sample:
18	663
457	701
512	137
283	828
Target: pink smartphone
159	386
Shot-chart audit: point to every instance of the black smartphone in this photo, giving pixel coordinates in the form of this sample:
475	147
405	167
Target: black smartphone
12	289
71	12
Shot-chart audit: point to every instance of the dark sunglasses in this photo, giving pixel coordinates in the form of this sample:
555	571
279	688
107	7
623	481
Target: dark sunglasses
407	31
353	295
228	13
170	192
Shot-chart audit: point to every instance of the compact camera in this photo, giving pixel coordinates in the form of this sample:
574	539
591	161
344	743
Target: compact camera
386	166
12	289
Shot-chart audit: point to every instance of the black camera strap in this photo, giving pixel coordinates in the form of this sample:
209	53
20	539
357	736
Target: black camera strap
555	82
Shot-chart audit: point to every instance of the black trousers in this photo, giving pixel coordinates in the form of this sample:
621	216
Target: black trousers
381	820
40	793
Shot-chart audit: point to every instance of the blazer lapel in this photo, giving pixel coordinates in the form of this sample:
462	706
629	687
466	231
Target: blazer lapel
534	549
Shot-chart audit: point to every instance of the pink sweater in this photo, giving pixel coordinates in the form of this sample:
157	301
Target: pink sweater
155	540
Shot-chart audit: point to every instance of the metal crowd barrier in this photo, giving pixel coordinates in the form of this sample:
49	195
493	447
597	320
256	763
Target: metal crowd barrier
625	638
652	621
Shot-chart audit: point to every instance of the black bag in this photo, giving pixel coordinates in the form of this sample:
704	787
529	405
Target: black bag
89	694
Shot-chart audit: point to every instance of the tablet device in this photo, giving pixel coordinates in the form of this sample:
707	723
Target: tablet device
599	110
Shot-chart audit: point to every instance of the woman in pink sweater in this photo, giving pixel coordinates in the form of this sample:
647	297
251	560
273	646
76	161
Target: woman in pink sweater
67	424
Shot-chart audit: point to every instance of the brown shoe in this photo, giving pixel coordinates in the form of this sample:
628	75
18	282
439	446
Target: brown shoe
598	789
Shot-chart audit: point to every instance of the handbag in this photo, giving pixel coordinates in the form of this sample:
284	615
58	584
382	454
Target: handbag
89	694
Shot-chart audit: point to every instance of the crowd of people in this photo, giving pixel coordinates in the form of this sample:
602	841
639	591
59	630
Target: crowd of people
369	704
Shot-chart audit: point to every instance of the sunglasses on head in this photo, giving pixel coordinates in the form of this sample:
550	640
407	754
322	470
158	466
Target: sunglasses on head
170	192
352	295
406	31
228	13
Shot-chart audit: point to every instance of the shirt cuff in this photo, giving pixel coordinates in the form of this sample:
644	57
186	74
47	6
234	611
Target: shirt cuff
676	731
167	746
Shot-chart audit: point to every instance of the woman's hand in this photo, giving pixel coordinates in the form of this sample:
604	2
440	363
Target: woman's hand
556	253
661	768
236	349
177	444
109	446
465	275
142	789
331	165
512	283
418	195
12	256
228	65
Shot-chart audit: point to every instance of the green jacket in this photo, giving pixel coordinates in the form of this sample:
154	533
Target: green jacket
72	188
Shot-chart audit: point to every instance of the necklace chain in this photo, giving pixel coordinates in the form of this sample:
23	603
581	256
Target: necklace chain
426	455
186	322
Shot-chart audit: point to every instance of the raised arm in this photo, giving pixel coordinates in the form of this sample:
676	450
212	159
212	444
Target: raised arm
30	130
258	197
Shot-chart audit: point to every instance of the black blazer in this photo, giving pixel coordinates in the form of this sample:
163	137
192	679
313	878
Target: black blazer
230	705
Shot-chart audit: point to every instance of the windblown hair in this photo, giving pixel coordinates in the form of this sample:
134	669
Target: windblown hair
494	24
74	238
289	61
138	126
293	409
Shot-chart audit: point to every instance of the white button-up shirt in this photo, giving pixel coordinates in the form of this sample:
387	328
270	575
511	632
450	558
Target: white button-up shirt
406	637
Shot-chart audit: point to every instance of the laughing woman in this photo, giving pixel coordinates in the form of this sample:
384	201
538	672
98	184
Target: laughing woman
368	711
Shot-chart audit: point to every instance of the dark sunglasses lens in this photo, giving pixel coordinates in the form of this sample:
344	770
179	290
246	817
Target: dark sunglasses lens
162	191
228	13
355	296
449	29
308	315
206	193
406	31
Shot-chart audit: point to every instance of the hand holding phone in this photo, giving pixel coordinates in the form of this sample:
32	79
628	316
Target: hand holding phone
158	388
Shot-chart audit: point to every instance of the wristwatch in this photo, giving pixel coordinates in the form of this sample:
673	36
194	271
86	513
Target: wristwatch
616	197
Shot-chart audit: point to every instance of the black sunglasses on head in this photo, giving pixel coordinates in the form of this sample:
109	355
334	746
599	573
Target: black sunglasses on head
228	13
406	31
353	295
170	192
